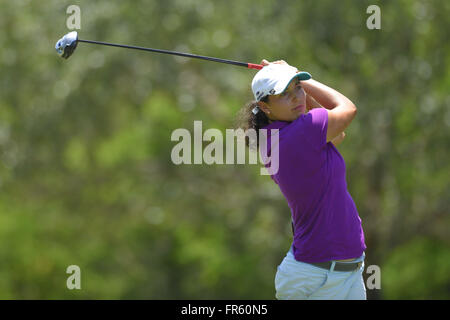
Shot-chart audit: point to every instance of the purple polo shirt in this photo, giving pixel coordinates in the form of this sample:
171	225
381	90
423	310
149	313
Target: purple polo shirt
311	176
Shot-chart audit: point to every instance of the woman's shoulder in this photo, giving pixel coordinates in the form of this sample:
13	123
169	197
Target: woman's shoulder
311	127
314	117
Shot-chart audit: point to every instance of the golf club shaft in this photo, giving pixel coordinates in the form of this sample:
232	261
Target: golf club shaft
188	55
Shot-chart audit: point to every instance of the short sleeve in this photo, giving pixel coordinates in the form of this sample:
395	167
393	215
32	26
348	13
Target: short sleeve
315	125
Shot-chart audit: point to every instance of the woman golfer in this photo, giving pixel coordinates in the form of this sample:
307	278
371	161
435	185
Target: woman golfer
326	259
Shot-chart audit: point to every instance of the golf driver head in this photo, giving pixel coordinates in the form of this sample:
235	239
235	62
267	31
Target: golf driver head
67	44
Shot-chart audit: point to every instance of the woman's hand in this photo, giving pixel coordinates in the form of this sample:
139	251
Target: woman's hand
337	141
264	62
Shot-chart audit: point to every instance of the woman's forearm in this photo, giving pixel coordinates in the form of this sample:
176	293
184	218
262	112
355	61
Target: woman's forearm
324	95
311	103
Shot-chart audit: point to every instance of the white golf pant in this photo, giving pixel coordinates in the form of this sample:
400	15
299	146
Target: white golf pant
297	280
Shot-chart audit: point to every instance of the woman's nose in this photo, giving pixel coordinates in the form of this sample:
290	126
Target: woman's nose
297	97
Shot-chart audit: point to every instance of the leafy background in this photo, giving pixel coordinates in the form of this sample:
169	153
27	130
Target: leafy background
86	176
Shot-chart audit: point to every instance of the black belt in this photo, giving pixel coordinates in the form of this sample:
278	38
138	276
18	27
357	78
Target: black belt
339	266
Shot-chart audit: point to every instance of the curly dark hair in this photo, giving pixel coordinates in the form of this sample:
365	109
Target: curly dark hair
246	119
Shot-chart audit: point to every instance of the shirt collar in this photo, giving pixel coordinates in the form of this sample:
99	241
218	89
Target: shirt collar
276	125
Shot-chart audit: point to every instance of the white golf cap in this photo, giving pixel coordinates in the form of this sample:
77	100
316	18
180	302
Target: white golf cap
274	79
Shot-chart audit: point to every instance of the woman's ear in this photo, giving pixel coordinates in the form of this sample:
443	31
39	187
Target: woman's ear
264	107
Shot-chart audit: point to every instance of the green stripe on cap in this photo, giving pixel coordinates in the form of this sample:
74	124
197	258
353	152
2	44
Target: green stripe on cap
303	75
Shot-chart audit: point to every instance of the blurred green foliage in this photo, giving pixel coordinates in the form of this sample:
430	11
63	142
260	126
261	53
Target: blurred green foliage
86	176
425	275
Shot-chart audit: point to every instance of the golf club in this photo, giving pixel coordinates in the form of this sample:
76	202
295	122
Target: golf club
67	45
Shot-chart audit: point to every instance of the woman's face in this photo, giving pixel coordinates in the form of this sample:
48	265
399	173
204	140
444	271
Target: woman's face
286	106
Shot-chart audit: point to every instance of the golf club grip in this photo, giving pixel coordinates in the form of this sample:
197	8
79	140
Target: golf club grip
188	55
255	66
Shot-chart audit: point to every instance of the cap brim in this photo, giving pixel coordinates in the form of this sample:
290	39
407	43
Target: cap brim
302	75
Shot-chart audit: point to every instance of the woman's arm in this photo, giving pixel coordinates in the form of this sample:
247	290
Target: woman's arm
341	111
326	96
311	103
